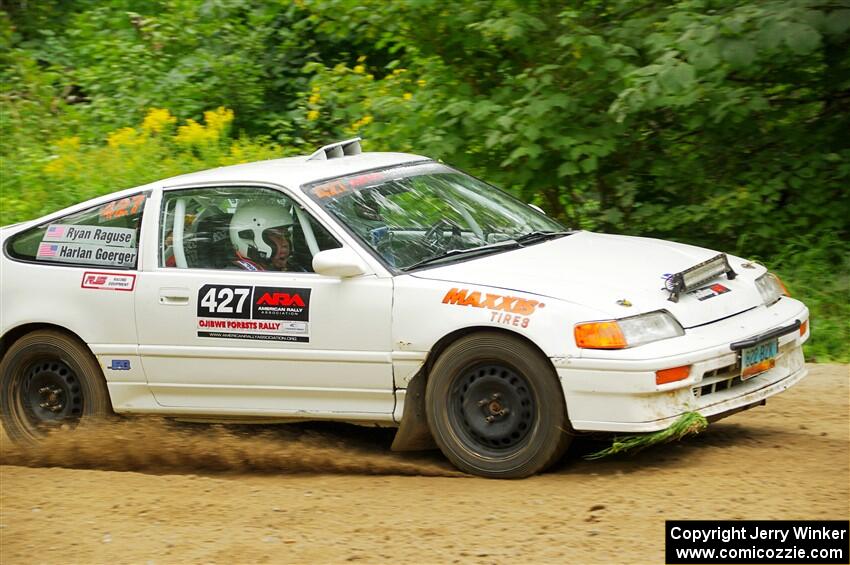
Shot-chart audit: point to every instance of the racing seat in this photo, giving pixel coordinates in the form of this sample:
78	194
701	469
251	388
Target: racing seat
211	243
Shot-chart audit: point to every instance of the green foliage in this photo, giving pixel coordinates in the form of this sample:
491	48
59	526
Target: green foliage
65	176
817	271
714	122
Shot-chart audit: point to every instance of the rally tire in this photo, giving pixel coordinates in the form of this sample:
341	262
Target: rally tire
495	407
48	381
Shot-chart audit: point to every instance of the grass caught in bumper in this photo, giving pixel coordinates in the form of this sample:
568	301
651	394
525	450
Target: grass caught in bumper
689	423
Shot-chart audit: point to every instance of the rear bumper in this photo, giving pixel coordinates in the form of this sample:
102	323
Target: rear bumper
620	394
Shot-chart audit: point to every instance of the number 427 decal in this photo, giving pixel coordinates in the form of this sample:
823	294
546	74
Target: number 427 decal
266	313
219	301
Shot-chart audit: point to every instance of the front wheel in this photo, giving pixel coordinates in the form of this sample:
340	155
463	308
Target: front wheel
49	381
495	407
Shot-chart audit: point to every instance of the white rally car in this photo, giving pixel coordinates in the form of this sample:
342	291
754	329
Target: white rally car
378	288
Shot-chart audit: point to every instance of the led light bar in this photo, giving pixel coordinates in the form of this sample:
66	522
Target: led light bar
692	277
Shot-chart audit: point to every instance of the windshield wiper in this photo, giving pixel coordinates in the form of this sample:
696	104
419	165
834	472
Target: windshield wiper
532	237
537	236
481	250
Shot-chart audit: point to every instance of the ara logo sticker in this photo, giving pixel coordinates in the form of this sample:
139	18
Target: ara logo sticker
280	299
709	291
119	365
287	304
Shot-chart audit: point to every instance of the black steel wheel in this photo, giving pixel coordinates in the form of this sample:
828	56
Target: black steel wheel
495	407
491	405
49	381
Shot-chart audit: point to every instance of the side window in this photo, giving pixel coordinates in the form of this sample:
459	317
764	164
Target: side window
105	236
239	228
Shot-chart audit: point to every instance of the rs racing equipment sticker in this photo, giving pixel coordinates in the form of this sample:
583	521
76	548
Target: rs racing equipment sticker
258	313
108	281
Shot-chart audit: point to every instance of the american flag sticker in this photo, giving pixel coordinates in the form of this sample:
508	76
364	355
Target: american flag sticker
47	250
55	232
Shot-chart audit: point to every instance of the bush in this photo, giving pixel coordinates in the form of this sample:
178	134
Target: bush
131	156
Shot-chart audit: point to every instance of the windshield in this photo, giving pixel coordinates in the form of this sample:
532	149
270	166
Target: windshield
412	214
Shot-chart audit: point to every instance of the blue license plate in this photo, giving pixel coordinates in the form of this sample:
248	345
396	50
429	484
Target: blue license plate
759	358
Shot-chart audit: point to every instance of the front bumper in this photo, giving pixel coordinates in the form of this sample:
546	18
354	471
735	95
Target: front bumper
617	392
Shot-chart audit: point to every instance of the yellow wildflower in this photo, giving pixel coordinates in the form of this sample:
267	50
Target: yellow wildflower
67	147
421	82
361	58
237	153
313	115
218	119
56	166
124	137
68	143
359	69
157	120
364	121
407	96
314	99
194	133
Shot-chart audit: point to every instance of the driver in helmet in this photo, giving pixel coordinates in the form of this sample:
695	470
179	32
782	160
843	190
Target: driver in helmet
259	233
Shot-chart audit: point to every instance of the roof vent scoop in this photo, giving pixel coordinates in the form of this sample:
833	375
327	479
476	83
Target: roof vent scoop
338	149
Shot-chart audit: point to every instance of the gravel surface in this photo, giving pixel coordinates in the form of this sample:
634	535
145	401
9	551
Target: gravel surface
154	492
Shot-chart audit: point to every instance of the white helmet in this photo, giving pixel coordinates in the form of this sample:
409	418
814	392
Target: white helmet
250	221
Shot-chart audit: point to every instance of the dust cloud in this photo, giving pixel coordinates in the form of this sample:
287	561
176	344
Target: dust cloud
159	446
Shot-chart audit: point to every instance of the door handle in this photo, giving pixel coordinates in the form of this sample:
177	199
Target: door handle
174	296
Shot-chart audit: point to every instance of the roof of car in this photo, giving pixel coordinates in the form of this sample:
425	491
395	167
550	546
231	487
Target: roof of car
293	172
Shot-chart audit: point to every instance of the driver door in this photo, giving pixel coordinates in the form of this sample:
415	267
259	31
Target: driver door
217	339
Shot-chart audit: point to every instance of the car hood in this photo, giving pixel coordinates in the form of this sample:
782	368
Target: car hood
605	272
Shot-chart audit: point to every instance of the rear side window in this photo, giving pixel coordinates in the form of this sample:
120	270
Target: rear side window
105	236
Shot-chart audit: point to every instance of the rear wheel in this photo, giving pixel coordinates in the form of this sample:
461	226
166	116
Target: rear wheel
49	381
495	407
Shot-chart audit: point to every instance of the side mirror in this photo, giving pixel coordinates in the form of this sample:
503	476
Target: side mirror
340	262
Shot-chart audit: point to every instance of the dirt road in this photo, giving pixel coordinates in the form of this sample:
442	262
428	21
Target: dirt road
156	493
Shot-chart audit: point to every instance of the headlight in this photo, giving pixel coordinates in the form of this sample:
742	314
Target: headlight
770	288
627	332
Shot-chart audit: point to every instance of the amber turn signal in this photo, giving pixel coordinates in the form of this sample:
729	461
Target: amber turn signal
782	286
600	335
672	375
803	327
